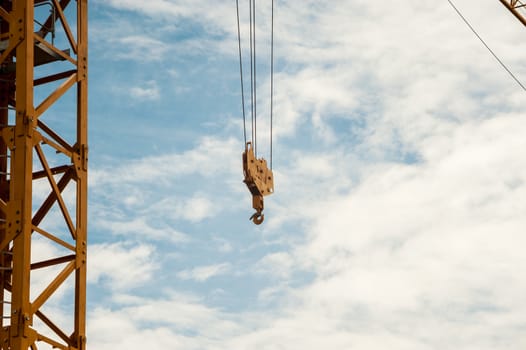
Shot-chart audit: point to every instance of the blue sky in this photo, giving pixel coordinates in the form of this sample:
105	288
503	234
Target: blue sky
400	205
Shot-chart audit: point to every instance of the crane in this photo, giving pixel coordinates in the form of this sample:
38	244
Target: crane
35	74
41	169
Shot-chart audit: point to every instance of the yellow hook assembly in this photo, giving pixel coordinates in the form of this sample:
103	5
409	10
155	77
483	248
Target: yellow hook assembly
259	180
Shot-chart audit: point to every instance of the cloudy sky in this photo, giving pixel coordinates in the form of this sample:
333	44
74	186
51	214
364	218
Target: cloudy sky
400	178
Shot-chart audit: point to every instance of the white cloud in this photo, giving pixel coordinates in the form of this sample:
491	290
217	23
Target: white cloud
210	157
142	48
190	186
197	10
203	273
150	91
423	250
407	255
196	208
120	266
139	228
223	245
276	264
160	324
121	40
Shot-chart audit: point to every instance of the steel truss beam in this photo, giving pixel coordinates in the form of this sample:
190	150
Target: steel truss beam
43	174
517	7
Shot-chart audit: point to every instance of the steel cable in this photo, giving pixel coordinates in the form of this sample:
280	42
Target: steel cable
255	101
251	73
241	74
271	81
253	76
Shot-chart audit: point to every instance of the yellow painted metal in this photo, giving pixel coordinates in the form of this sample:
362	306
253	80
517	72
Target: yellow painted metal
22	336
26	131
517	8
259	180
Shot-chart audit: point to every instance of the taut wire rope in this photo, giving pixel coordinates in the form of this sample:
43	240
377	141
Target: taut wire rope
251	72
253	76
241	74
271	80
255	98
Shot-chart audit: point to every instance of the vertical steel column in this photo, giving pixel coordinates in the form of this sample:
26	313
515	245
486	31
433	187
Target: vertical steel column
22	337
6	85
82	173
21	183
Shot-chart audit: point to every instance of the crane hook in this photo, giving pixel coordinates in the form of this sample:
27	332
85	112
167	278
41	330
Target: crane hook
259	180
257	218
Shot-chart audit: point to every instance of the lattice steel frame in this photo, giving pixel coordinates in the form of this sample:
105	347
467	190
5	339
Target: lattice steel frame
517	7
24	133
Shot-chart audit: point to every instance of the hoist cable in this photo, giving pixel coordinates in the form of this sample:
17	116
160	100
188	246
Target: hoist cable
255	80
487	47
251	74
271	79
241	74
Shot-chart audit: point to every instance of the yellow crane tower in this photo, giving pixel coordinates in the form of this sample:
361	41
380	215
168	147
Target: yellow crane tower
43	173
